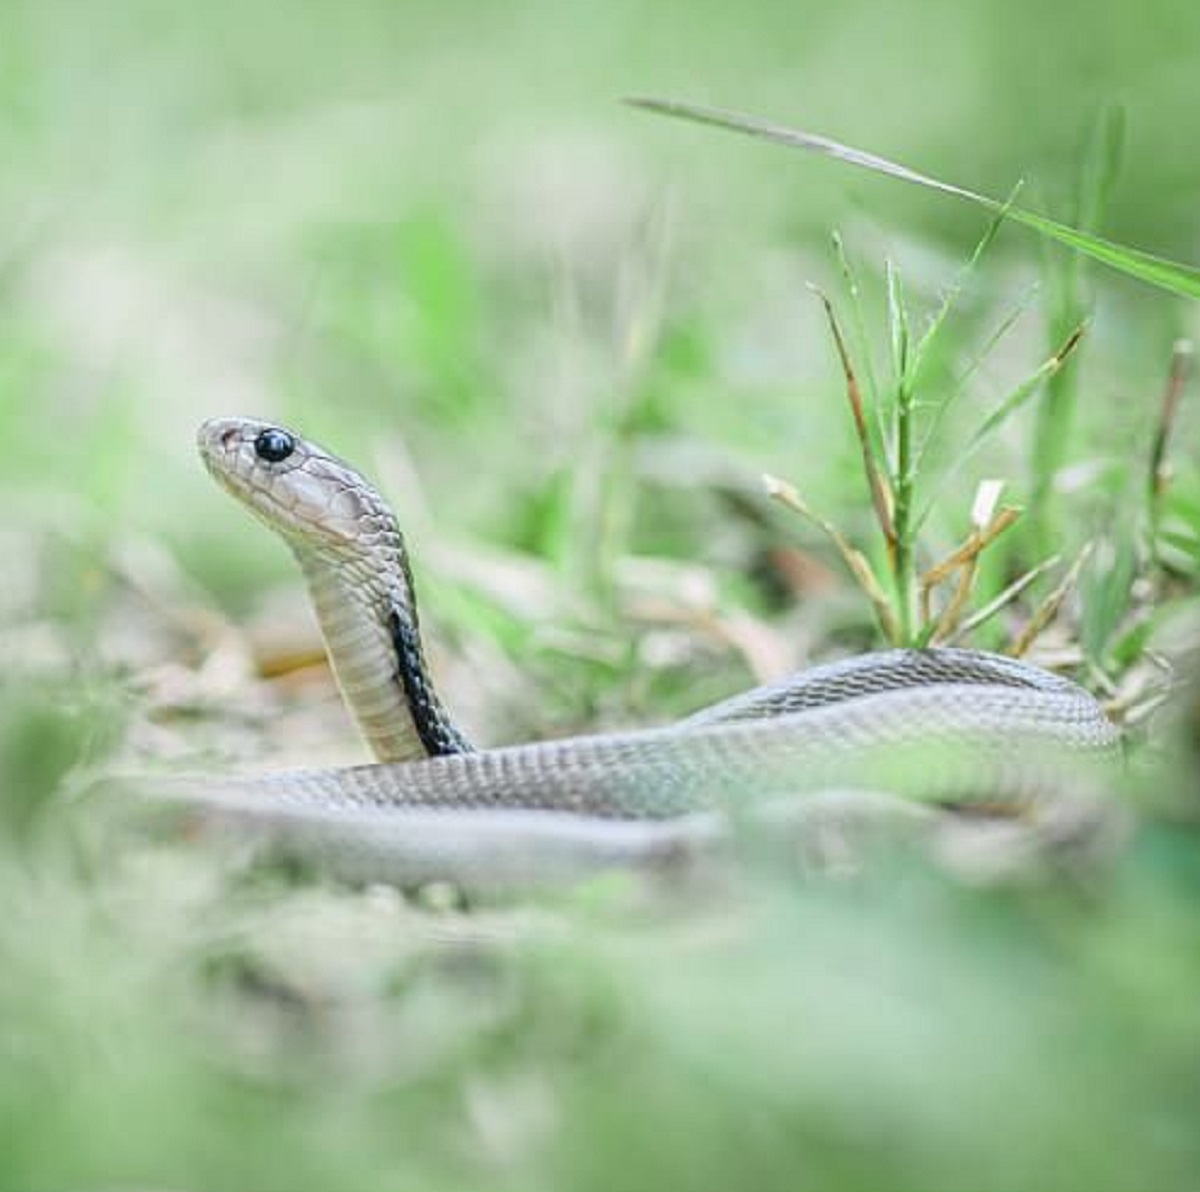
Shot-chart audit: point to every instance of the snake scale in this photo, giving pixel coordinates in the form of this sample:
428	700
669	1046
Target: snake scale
937	726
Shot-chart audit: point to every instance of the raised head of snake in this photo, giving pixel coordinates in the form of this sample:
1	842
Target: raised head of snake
353	555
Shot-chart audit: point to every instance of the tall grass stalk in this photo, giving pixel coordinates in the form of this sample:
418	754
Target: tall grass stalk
1071	304
895	438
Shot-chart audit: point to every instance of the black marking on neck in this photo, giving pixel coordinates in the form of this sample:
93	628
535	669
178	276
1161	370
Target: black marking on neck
438	735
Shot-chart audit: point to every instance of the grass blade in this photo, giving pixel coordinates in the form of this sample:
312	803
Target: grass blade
1048	609
1021	394
1176	278
960	383
1007	596
1013	402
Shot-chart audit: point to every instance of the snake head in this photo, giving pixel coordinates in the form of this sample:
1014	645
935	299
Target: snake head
314	500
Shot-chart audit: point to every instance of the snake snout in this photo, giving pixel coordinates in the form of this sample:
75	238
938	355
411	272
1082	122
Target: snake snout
219	436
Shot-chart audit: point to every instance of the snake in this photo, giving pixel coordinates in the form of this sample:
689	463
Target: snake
902	730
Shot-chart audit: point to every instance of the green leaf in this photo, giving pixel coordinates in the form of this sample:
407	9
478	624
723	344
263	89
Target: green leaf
1158	271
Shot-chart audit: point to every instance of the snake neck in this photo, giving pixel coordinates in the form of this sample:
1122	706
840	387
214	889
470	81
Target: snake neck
372	634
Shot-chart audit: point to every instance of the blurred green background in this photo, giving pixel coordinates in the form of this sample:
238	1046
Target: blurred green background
433	221
567	337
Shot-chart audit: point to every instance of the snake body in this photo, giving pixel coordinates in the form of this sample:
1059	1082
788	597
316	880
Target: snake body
937	726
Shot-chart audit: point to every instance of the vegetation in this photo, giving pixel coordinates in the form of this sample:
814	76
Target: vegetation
569	339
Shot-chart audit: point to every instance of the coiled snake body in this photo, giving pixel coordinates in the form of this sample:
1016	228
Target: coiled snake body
935	726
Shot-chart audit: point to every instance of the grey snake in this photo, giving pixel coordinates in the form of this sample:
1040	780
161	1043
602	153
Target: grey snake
904	730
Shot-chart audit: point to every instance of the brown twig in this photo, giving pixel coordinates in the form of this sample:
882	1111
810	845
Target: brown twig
964	560
881	496
788	495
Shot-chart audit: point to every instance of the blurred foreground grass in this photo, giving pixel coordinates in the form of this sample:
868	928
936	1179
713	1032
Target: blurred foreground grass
567	340
167	1023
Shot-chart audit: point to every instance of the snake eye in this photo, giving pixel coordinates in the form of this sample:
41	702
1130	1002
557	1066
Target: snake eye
274	445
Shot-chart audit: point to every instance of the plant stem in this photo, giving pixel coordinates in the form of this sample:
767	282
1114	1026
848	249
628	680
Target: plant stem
900	544
902	552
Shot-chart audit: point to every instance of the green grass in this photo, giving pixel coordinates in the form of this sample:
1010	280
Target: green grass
569	340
